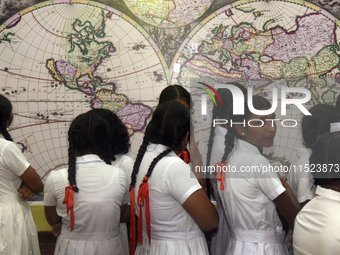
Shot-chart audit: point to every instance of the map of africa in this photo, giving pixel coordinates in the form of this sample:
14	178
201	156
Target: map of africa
262	44
62	58
172	13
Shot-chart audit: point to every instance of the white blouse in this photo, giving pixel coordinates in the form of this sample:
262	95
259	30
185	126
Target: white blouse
102	190
300	179
317	225
248	201
173	230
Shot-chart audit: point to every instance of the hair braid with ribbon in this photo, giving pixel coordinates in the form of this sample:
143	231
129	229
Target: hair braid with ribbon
88	134
169	125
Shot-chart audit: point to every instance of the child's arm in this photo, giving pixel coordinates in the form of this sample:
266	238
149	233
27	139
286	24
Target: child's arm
201	210
51	215
53	219
125	213
32	180
287	204
196	160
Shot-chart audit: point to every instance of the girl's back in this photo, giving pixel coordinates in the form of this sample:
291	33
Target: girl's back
168	189
248	196
96	207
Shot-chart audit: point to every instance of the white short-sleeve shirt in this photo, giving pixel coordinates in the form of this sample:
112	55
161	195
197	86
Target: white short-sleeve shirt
300	179
12	165
170	184
247	199
126	163
102	189
317	225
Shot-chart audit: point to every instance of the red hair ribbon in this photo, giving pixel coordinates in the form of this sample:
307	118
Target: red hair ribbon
220	174
69	201
185	156
143	198
132	222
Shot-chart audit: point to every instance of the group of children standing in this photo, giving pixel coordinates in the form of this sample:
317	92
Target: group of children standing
158	194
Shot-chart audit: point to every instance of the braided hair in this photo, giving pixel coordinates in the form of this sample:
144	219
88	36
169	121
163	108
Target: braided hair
5	116
259	103
88	134
224	112
120	140
169	125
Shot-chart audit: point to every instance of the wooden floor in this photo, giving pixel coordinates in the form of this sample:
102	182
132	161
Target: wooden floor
47	243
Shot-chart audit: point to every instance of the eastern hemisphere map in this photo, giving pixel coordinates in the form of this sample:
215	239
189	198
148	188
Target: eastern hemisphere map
61	58
263	44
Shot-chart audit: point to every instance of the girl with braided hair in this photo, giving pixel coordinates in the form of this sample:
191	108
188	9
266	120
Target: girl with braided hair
18	182
193	155
120	143
171	204
87	196
216	145
250	194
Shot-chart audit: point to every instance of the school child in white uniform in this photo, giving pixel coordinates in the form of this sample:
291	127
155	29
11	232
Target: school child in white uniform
170	203
18	234
87	196
193	155
120	143
216	145
313	127
250	196
317	226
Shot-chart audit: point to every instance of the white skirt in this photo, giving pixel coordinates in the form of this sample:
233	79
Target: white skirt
124	237
194	245
18	234
69	243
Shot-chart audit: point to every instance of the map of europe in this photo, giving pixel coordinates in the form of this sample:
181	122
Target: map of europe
263	44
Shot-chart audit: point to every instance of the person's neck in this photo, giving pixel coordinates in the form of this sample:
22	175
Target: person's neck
333	186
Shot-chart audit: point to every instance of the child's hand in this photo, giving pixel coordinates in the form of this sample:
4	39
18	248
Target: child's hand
25	193
195	154
56	229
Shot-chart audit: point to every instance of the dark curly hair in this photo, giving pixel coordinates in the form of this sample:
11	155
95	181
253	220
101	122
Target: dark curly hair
169	125
325	153
120	140
88	134
317	124
5	115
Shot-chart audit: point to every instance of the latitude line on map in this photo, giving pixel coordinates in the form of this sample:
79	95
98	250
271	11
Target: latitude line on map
108	78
